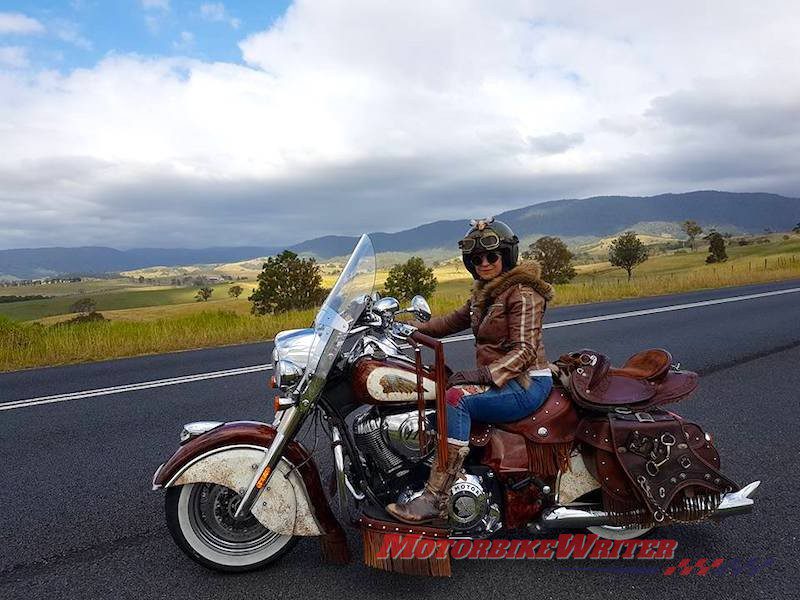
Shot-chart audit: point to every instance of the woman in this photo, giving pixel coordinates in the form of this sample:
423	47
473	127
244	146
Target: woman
512	378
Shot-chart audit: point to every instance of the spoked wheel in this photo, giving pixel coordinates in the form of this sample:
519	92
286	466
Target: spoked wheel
611	532
200	519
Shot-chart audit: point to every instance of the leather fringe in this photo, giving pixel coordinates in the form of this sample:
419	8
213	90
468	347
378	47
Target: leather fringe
635	513
334	548
546	460
432	567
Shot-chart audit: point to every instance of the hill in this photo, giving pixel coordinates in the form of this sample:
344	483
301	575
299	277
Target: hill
596	217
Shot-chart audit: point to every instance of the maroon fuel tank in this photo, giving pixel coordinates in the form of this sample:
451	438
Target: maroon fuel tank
389	381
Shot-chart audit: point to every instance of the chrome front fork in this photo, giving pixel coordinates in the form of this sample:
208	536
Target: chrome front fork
290	422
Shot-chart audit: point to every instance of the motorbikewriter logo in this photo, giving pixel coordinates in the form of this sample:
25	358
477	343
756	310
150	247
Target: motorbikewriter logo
576	546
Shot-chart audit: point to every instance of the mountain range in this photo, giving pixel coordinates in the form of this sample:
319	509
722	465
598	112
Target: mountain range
599	216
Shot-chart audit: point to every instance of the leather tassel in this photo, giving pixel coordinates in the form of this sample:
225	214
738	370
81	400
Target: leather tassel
546	460
431	567
334	549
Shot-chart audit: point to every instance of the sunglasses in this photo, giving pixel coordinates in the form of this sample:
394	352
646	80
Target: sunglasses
488	241
491	258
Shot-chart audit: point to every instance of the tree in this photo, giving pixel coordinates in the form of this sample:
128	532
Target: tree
203	294
691	229
796	228
409	279
83	306
235	291
716	247
287	282
554	257
627	251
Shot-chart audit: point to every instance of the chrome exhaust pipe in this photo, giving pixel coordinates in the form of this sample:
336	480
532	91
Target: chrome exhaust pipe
575	516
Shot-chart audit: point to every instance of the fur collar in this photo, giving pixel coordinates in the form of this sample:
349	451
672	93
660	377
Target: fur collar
527	273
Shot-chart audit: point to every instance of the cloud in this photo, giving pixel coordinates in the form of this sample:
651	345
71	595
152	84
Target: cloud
355	115
184	42
19	24
69	32
216	11
155	4
155	11
15	57
555	143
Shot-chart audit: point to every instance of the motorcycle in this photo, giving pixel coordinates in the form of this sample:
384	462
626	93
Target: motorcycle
600	453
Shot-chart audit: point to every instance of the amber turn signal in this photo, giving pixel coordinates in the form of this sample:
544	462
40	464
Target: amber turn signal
272	382
263	479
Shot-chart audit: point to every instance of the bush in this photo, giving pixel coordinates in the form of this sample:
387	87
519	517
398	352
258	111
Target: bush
554	258
83	306
287	282
716	248
203	294
92	317
408	279
9	299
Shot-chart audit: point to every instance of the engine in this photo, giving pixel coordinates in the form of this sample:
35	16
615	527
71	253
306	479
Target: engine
391	441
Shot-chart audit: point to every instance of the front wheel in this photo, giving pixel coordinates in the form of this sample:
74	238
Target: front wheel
200	519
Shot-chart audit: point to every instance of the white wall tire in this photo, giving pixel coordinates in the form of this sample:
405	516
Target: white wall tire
200	519
611	532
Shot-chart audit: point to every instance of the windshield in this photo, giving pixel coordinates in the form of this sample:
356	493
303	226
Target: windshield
342	308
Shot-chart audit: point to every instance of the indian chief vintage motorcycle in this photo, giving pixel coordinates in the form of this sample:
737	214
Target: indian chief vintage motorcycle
601	453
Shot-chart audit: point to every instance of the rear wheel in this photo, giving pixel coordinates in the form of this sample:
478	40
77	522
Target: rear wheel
200	519
611	532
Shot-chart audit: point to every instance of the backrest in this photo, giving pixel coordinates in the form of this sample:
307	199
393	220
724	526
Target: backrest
647	364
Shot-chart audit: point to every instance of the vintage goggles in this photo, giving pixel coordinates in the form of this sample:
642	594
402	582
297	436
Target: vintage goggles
487	241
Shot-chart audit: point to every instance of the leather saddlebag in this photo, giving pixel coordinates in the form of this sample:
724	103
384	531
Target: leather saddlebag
653	467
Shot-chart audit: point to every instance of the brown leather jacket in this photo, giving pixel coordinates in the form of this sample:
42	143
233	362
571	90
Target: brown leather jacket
505	315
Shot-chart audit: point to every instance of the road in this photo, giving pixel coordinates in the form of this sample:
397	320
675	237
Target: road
78	518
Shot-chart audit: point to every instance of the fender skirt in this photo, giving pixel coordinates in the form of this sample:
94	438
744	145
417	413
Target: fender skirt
243	442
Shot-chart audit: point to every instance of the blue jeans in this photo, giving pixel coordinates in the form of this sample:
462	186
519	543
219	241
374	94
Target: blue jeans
509	403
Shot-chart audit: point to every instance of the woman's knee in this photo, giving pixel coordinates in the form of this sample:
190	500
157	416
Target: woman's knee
453	397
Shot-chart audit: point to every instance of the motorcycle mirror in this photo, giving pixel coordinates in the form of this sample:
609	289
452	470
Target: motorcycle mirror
421	308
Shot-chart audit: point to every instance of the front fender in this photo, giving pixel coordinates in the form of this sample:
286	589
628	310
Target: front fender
229	455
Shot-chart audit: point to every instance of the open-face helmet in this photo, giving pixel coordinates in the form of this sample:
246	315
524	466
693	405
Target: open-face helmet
489	235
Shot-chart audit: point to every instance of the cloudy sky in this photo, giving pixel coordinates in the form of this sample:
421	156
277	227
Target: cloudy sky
188	123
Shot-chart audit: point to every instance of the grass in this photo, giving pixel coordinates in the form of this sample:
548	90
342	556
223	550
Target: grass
29	345
166	319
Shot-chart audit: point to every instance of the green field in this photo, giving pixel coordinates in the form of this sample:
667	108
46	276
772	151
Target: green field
145	320
114	295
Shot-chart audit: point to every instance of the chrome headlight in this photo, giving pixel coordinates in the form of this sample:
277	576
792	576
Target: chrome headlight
287	374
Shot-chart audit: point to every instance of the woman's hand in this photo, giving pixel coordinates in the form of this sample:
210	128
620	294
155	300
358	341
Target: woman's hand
480	376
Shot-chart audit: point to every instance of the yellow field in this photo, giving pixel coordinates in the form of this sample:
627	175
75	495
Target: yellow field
165	327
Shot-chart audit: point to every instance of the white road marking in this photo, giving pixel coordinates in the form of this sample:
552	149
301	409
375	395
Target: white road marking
458	338
119	389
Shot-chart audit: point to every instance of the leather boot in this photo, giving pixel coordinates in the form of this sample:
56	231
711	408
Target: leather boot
432	503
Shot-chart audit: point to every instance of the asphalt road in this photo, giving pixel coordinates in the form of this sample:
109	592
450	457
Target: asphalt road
78	519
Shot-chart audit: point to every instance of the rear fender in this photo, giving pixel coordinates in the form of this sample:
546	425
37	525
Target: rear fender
229	455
